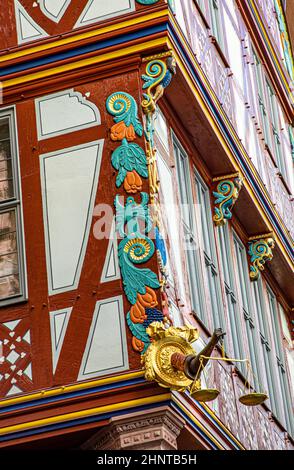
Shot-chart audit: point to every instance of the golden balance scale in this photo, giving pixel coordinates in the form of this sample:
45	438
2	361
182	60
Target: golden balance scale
170	360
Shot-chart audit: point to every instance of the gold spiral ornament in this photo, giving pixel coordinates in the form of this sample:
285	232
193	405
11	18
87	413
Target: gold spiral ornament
119	103
139	250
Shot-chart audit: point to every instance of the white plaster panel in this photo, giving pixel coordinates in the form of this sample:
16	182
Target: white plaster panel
59	320
99	10
69	186
54	9
27	29
111	270
106	348
64	112
13	391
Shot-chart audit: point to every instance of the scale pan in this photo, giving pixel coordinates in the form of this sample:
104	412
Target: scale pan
253	399
206	394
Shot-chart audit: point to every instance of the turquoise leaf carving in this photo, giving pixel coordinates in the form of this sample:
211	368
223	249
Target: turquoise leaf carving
136	250
130	214
129	157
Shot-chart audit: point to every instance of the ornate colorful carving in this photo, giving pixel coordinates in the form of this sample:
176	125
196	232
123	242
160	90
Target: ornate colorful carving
227	193
157	77
159	72
136	248
260	251
125	111
133	220
129	158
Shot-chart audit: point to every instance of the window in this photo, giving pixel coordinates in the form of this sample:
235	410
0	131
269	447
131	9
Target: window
287	418
216	20
267	347
201	4
246	303
186	199
206	231
261	100
12	285
274	116
291	136
231	294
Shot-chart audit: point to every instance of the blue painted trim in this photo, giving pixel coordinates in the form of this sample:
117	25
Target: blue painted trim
65	396
76	422
92	419
96	46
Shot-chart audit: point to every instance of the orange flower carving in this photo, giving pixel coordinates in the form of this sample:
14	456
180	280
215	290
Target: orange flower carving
137	313
120	131
148	300
137	344
133	182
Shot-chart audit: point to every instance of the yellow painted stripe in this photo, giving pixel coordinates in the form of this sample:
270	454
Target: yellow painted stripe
85	62
84	413
197	422
86	35
71	388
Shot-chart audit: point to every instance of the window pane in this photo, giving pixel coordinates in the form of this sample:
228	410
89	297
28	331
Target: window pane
9	266
185	186
6	182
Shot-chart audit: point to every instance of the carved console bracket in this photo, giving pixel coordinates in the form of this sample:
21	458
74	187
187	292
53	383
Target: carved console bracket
260	251
226	195
157	429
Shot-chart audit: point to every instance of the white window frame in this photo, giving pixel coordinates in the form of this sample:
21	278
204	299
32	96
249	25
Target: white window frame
15	203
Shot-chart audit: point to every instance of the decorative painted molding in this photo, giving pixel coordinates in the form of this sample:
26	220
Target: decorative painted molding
227	193
27	29
97	10
59	320
105	354
67	210
260	251
54	9
64	112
